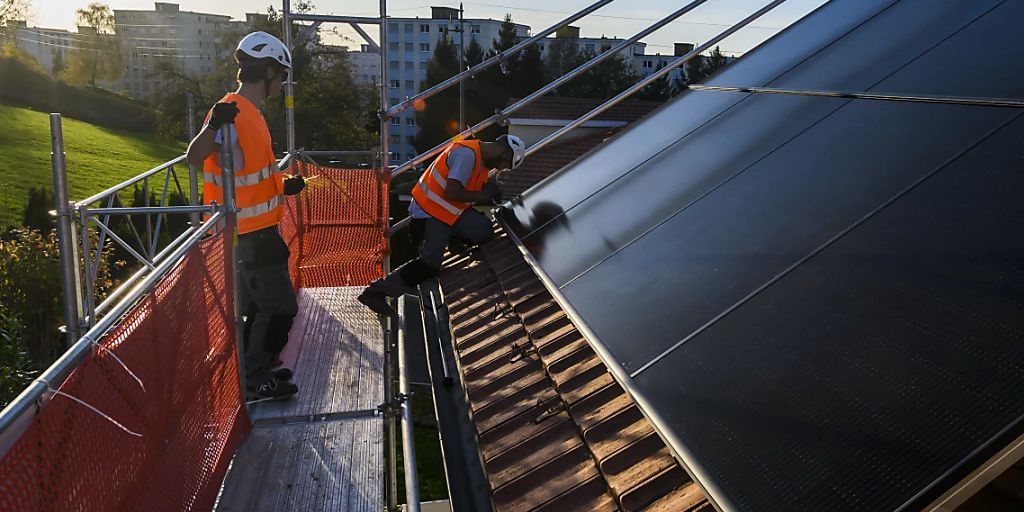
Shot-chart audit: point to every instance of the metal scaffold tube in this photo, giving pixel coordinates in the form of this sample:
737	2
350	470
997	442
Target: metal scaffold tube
289	84
653	77
71	277
469	73
227	166
412	488
549	87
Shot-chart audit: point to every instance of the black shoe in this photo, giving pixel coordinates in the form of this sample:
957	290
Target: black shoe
282	374
377	302
272	389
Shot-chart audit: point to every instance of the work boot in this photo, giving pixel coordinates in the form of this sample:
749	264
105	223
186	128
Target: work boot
279	371
271	389
376	301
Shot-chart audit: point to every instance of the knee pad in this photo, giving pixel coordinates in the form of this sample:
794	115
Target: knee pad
415	272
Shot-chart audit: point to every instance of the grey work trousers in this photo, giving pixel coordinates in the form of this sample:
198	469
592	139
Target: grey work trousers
432	236
268	302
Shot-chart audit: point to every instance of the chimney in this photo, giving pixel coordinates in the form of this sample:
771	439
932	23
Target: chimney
165	7
683	49
444	13
568	32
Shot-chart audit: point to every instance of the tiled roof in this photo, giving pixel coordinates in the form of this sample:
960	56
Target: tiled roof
554	430
545	162
561	109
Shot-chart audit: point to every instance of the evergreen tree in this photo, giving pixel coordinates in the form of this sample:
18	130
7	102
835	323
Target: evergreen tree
438	118
659	90
612	76
37	210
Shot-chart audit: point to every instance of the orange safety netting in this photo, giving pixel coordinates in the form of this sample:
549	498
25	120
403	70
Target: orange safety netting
337	227
179	340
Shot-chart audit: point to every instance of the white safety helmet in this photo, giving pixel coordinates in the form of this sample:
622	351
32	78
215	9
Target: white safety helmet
518	150
261	45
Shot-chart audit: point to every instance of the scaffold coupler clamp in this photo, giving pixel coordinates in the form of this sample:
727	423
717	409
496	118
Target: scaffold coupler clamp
394	407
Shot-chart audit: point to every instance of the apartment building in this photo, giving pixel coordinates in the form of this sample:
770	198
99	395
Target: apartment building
46	45
195	41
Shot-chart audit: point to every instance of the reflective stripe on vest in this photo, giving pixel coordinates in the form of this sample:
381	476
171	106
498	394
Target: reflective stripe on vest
454	210
243	181
259	209
430	191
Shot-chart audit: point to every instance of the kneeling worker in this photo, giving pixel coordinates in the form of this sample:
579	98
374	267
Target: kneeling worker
265	293
441	208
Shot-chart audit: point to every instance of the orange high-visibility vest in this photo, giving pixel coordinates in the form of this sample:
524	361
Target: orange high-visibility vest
258	185
429	193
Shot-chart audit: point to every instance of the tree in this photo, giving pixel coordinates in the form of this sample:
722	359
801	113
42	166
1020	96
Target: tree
704	66
659	90
12	10
30	280
612	76
37	210
58	65
438	119
13	51
563	54
97	50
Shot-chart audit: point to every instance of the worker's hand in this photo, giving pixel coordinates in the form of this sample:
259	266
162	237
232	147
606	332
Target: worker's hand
223	113
493	192
293	185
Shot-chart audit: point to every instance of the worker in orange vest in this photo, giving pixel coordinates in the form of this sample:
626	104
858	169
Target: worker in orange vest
265	292
441	209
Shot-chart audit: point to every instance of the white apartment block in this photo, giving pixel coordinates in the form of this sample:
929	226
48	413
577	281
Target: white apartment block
43	44
411	43
192	40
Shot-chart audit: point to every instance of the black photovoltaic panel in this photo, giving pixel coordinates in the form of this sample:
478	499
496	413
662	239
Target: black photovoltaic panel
858	379
722	193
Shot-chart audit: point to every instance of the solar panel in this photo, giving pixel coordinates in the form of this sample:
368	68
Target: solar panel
822	299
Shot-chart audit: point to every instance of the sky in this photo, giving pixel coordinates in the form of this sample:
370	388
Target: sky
621	18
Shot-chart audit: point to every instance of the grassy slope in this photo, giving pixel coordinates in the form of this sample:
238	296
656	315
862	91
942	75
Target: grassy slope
97	158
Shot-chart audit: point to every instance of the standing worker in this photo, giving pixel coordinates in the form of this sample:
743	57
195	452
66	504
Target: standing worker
265	293
441	208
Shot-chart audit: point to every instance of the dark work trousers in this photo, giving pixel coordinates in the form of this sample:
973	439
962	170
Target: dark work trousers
432	236
267	300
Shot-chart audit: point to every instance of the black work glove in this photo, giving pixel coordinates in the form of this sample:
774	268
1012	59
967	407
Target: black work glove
493	191
294	185
223	113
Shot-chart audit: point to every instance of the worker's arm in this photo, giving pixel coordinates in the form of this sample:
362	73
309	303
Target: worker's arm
202	146
457	192
205	143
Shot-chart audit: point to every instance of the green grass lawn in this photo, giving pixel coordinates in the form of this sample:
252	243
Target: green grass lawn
97	158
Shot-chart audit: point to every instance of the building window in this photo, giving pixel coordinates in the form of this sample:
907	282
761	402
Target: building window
590	47
425	47
441	29
411	121
393	27
393	47
648	64
393	65
409	139
408	28
394	84
424	28
408	47
423	66
540	47
408	66
396	121
396	139
409	84
475	29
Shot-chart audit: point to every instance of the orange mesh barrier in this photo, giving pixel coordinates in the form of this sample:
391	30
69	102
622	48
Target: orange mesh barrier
336	228
179	340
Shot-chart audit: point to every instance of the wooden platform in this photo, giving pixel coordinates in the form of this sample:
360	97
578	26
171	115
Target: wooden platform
322	450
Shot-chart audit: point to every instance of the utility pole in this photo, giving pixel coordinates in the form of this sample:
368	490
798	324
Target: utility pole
462	67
